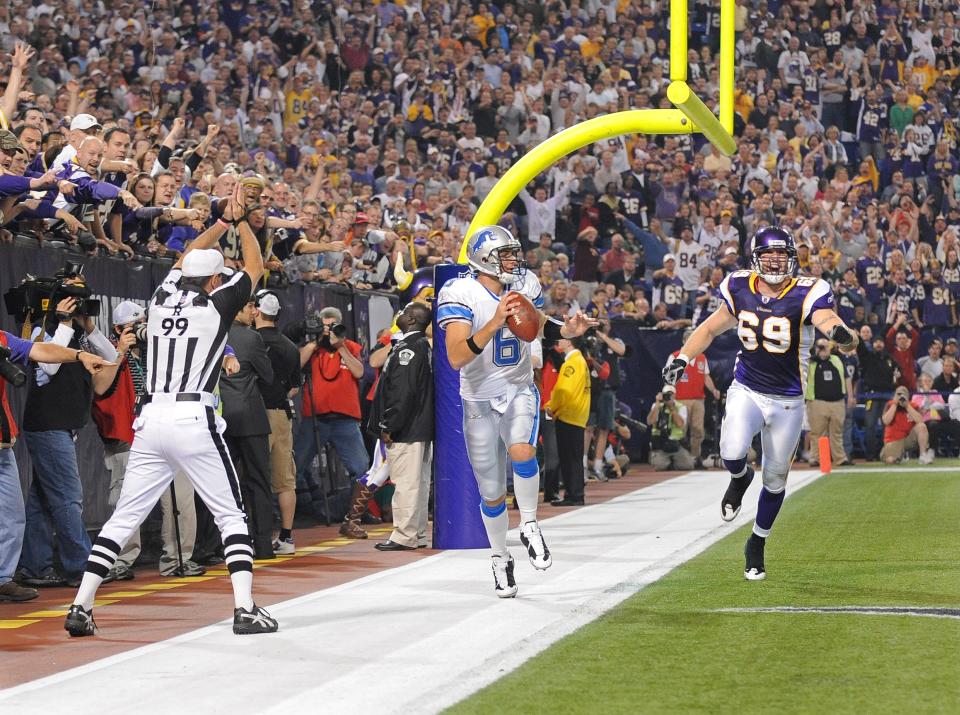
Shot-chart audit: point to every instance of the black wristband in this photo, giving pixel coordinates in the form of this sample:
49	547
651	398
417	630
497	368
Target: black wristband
474	348
552	328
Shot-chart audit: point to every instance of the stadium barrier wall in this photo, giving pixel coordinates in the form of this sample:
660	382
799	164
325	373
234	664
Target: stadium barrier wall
114	280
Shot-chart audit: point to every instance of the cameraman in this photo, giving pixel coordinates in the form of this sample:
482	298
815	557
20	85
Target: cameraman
903	429
331	399
15	351
58	406
668	423
604	360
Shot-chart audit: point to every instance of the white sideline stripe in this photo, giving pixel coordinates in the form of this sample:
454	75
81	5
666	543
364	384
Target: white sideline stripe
420	637
891	470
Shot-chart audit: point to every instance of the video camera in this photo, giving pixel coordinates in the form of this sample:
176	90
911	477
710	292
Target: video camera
633	424
37	296
8	371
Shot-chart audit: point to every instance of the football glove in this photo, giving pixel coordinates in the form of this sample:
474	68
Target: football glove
840	335
673	371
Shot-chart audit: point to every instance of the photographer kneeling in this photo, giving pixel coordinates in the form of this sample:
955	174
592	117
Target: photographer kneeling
668	422
903	429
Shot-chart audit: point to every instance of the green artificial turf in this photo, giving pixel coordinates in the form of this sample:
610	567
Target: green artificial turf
874	539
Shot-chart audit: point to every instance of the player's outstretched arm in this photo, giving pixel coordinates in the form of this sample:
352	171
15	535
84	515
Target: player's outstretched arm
719	322
831	325
462	347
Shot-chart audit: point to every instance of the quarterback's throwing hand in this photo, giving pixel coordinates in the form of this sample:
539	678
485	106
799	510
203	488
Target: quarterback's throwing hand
673	371
577	325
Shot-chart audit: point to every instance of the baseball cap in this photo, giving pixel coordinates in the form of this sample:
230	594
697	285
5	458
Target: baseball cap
669	257
84	122
202	262
128	312
951	340
731	251
669	388
8	141
268	304
361	218
725	212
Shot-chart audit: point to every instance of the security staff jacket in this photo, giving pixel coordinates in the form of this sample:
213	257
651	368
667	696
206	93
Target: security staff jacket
285	359
826	380
403	403
570	401
243	408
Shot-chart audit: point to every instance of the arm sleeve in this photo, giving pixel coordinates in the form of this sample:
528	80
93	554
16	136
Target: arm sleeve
163	157
19	348
102	346
44	210
90	191
62	337
14	185
232	295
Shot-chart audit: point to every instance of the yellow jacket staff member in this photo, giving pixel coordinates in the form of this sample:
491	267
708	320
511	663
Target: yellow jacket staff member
569	405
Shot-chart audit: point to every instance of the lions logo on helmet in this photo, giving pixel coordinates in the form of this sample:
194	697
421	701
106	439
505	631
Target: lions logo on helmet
774	238
488	247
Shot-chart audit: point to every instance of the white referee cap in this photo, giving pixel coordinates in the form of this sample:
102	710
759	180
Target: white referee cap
202	262
128	312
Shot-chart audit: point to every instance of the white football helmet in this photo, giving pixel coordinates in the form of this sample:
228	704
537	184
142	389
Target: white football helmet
485	254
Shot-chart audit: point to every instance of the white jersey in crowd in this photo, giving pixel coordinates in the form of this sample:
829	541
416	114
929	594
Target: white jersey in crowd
187	332
690	261
505	360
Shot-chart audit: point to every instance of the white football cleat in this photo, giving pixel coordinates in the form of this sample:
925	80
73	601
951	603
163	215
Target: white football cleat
504	584
532	539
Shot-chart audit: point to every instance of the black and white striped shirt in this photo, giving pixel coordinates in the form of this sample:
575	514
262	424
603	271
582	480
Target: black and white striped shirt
187	332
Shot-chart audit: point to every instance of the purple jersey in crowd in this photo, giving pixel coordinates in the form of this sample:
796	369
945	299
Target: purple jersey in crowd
870	277
776	333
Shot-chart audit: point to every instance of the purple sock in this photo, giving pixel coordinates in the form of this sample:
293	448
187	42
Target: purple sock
736	467
767	510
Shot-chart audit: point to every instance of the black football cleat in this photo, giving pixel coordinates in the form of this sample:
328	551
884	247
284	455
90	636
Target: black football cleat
254	621
733	497
79	623
753	551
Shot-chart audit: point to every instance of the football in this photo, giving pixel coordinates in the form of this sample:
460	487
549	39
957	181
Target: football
526	323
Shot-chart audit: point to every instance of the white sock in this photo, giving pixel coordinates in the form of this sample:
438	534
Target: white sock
242	589
88	590
527	493
598	465
584	462
497	527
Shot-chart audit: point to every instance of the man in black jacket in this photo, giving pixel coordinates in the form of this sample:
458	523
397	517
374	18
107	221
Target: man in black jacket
878	375
285	360
402	416
248	428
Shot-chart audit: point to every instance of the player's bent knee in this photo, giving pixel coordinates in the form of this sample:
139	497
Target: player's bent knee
774	481
522	453
493	510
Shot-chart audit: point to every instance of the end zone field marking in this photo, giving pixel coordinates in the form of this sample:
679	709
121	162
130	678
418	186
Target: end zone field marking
920	611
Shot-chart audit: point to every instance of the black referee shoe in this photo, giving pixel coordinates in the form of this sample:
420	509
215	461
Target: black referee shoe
256	620
79	622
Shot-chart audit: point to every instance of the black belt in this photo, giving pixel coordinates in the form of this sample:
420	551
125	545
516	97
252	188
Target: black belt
181	397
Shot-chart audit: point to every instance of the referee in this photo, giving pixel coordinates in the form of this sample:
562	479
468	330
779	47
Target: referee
178	427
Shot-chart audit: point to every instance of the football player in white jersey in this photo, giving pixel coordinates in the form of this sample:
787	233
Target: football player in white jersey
501	404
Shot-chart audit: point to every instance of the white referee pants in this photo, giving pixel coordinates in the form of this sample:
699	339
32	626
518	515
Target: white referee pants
186	437
777	419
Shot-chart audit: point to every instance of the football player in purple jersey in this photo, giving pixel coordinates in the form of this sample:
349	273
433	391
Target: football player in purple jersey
776	315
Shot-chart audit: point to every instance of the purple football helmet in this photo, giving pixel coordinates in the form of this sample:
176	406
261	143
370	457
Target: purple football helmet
774	238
